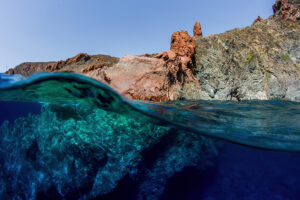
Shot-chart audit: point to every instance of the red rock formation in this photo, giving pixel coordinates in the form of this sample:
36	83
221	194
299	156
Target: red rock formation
197	30
182	44
179	59
153	77
286	11
258	20
10	71
149	77
138	77
82	57
93	67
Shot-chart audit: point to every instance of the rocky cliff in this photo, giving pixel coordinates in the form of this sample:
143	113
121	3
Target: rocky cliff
81	63
29	68
256	62
260	61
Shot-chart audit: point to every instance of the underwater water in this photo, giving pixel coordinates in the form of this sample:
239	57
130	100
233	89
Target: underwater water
66	136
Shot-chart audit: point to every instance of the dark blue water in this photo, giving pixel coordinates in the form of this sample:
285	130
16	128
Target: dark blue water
240	173
73	138
12	110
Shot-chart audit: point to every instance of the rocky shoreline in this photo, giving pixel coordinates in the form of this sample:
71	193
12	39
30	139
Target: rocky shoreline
261	61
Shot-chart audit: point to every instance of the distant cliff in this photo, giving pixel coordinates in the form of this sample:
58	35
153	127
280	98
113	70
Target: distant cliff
261	61
81	63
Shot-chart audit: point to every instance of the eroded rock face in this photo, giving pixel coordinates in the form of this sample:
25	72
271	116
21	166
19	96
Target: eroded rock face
286	10
138	77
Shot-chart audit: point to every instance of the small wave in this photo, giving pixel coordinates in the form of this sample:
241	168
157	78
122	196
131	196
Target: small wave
261	124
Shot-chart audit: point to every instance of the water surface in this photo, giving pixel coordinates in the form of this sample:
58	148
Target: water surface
71	137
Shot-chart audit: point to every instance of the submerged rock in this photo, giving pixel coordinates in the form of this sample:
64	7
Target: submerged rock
79	152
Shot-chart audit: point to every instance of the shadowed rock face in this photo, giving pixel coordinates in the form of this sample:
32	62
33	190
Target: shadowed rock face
256	62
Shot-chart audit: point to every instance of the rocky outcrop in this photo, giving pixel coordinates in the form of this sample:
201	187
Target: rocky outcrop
82	57
179	59
258	20
29	68
287	10
81	63
197	30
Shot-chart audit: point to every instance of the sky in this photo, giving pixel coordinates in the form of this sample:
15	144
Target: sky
52	30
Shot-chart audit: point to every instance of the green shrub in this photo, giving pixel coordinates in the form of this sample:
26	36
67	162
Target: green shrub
285	56
251	57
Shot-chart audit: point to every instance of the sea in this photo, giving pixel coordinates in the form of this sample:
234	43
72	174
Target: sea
67	136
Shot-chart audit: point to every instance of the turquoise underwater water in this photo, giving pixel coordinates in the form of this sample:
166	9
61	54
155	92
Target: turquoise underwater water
66	136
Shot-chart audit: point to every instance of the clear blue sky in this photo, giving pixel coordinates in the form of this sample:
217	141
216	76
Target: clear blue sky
50	30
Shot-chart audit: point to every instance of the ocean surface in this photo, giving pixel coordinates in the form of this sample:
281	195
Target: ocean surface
66	136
